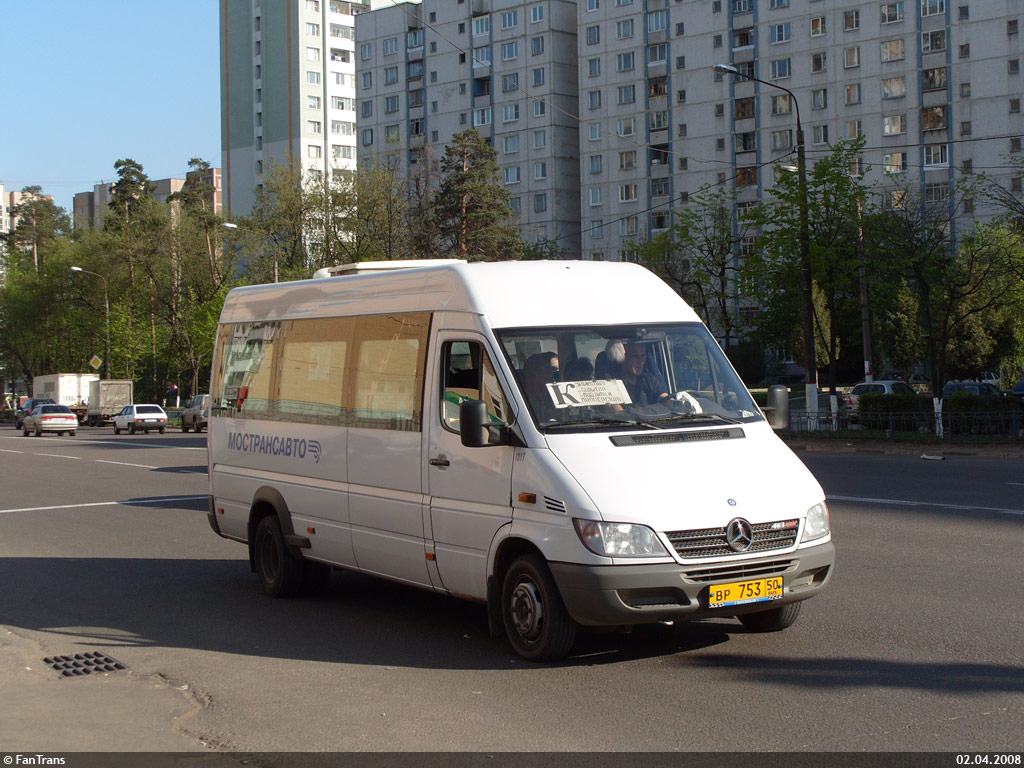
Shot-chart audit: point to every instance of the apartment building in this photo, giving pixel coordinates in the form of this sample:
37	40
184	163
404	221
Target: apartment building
507	68
90	208
287	90
934	86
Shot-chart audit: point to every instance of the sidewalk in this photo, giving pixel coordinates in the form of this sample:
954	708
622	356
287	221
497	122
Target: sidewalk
909	448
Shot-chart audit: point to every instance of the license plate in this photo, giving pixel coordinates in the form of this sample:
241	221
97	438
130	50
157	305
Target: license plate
744	592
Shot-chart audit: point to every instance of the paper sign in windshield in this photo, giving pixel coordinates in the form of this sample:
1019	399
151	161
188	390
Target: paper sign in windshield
580	394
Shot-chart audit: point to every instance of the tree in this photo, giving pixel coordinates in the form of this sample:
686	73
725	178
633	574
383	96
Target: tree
699	257
834	203
38	223
471	207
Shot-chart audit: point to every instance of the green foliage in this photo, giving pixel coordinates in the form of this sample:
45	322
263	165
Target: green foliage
878	404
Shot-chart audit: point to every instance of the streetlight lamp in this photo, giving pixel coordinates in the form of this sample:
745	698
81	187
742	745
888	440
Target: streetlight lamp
233	226
106	315
805	247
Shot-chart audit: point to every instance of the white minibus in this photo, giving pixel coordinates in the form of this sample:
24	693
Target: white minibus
563	441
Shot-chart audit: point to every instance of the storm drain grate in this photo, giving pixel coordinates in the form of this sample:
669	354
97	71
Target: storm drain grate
84	664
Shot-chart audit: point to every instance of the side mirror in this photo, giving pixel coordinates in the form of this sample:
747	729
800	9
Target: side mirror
475	425
777	411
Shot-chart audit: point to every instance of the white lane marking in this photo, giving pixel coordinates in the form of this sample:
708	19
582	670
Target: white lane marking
5	450
113	441
128	503
58	456
125	464
904	503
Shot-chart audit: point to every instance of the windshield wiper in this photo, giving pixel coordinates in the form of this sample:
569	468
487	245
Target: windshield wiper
584	423
699	417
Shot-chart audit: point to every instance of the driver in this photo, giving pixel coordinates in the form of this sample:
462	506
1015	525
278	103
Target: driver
644	386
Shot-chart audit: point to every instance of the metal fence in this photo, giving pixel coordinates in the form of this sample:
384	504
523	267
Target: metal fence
1002	426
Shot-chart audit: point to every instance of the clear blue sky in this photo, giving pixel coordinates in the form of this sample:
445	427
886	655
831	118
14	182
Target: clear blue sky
88	83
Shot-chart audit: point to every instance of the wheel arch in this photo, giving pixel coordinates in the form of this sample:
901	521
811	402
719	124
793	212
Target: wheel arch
269	501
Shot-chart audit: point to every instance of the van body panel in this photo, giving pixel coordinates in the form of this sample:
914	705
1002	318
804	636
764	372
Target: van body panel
667	486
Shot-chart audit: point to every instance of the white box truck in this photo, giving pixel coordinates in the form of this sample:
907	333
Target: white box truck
70	389
562	441
106	398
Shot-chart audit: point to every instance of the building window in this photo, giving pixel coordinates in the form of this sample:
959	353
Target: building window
852	92
538	77
624	62
540	139
512	175
593	35
893	50
627	160
536	14
596	163
539	108
780	69
778	33
657	54
965	51
819	61
596	229
540	202
894	87
390	45
594	131
819	98
746	141
481	25
509	113
782	104
819	134
965	128
593	67
895	162
537	45
509	19
390	134
390	104
313	102
367	136
851	57
746	177
594	98
933	79
1012	27
743	108
932	7
627	94
1014	106
933	118
936	155
894	125
482	116
314	151
851	20
510	51
510	144
596	196
817	26
510	82
313	30
933	42
627	193
313	78
854	129
540	170
1013	67
892	12
657	21
626	126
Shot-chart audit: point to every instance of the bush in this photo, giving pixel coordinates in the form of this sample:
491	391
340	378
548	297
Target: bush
884	405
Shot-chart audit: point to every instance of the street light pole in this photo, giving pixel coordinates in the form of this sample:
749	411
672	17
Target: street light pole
106	316
805	248
232	225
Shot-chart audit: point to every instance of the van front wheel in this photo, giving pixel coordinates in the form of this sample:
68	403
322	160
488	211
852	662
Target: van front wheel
279	572
773	620
536	621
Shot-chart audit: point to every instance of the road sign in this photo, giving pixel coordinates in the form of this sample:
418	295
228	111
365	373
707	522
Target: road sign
96	362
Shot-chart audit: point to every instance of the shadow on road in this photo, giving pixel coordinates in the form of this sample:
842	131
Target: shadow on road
217	605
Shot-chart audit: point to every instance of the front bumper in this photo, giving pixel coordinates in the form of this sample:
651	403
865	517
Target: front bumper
615	595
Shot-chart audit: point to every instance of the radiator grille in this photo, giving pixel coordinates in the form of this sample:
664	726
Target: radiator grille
711	542
739	571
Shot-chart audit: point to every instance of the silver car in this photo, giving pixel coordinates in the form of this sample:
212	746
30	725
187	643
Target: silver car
195	414
850	406
50	418
136	418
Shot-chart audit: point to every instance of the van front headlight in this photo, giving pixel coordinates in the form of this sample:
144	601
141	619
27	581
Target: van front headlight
817	522
619	539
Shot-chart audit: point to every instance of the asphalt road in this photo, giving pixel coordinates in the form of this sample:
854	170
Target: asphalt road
104	546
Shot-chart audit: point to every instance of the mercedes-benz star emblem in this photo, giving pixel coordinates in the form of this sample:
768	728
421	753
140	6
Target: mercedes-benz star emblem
739	535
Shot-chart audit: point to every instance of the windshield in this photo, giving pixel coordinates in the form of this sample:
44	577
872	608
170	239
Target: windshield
610	377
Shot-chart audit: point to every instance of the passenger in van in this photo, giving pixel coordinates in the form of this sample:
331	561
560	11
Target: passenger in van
580	369
540	369
608	364
644	386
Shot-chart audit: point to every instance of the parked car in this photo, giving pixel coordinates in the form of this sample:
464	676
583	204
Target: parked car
968	388
1018	391
26	407
50	417
135	418
850	405
196	414
919	382
989	377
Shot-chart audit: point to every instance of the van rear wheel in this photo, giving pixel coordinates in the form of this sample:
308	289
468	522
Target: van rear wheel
536	621
279	572
773	620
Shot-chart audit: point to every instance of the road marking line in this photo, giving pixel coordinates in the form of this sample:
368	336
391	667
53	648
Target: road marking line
58	456
5	450
125	464
129	503
903	503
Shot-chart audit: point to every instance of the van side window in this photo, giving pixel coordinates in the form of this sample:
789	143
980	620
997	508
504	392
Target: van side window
389	360
467	373
314	360
248	385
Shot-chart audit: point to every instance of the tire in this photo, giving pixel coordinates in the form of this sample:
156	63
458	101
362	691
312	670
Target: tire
39	432
131	429
184	426
25	432
279	572
161	430
72	433
773	620
537	624
117	431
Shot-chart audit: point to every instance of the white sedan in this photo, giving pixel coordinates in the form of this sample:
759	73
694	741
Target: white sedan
50	418
135	418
